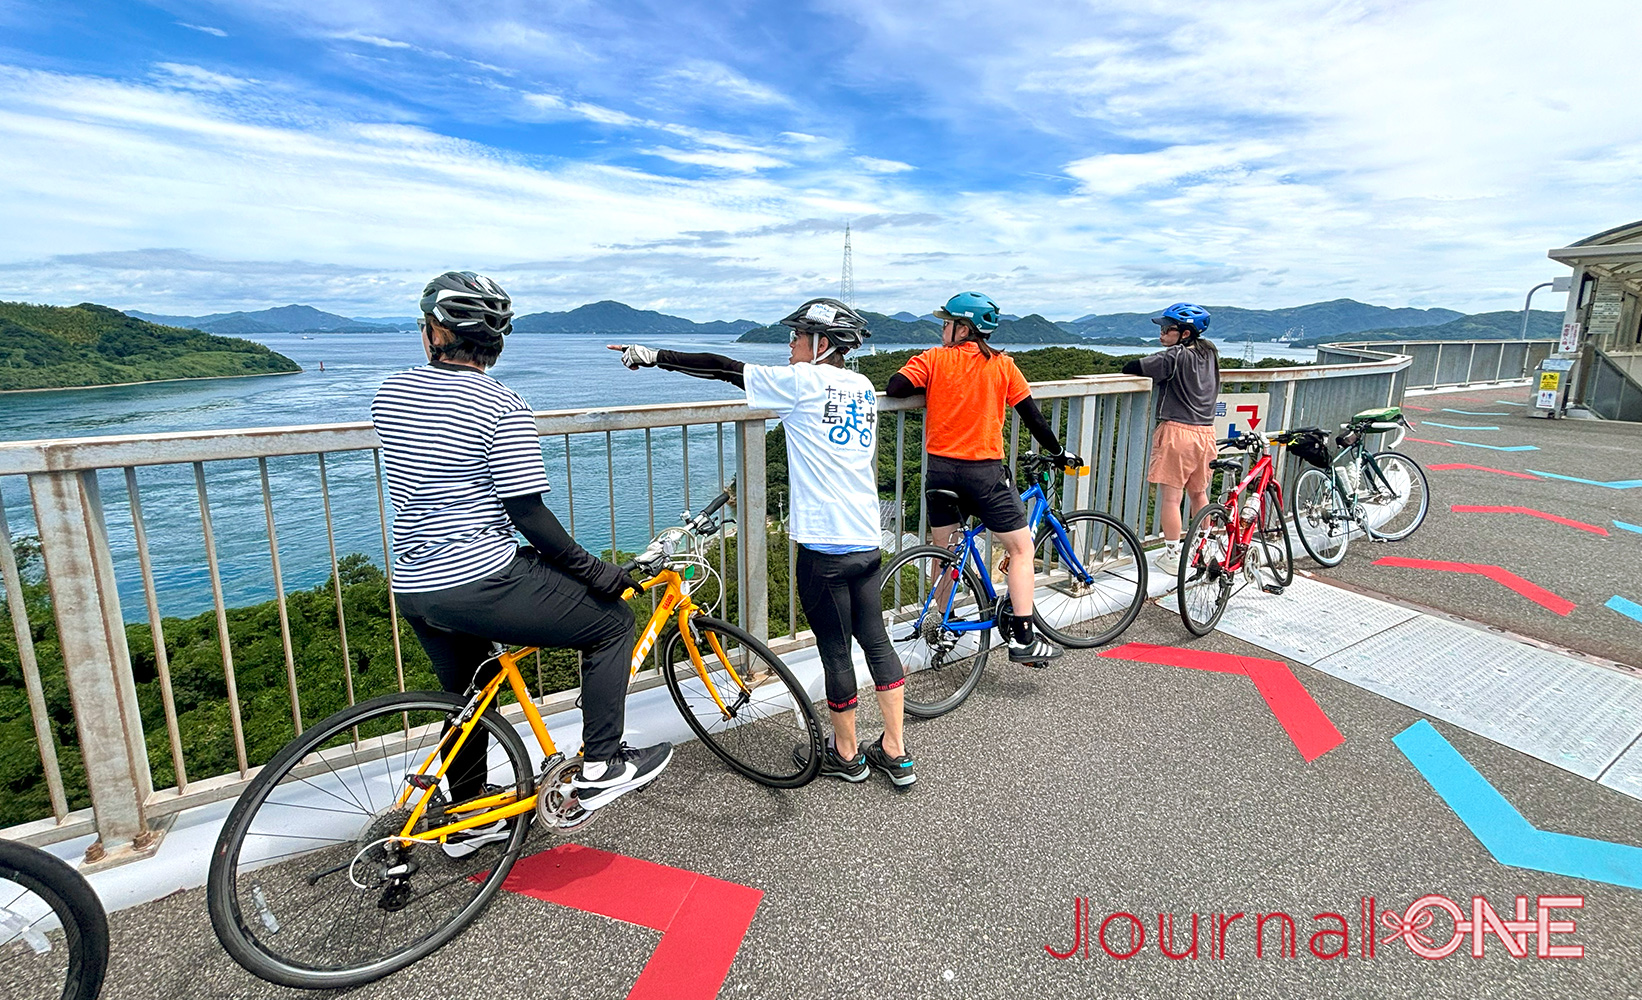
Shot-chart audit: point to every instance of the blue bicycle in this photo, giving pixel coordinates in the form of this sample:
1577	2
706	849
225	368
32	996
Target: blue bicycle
941	606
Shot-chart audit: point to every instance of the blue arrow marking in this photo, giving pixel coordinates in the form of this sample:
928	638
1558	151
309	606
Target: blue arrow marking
1630	609
1617	484
1507	402
1496	447
1458	427
1476	413
1510	838
1629	527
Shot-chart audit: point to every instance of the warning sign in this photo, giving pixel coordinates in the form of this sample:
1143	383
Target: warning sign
1244	411
1548	381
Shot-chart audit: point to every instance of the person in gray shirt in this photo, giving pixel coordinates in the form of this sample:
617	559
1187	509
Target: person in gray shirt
1187	377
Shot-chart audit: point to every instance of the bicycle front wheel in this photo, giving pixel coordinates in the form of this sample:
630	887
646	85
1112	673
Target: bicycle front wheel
1395	501
942	663
310	884
744	703
1276	549
36	959
1092	579
1321	518
1204	583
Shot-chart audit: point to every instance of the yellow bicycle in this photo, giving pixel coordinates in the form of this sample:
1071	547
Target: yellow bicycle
350	856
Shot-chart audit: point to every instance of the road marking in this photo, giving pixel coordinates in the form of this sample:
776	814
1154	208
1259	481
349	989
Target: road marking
1424	441
1630	609
1296	711
1500	828
1617	484
1507	402
1457	427
1629	527
1497	447
1478	413
1411	406
1504	577
1462	508
1482	468
702	920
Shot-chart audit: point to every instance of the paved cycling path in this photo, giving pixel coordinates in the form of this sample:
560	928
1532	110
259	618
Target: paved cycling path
1139	787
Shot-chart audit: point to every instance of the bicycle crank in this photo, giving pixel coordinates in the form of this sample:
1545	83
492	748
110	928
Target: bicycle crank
556	804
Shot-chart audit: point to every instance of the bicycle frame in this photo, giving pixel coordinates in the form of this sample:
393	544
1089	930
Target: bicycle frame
507	804
1264	474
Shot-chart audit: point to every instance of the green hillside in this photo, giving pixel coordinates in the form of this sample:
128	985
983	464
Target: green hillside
1542	325
53	347
1033	329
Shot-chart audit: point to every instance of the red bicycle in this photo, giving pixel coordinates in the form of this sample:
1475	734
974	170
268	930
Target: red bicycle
1241	536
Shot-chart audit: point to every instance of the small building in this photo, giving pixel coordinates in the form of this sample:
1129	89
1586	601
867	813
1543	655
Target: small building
1605	300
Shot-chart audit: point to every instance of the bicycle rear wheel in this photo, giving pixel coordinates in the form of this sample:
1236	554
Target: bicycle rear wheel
1093	590
38	961
1321	517
942	665
761	711
309	886
1395	507
1277	551
1204	584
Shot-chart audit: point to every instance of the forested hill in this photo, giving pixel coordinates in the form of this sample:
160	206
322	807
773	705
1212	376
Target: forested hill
51	347
1033	329
1317	319
620	319
1542	325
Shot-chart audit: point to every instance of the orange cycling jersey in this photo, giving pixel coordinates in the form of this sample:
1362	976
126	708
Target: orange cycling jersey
968	396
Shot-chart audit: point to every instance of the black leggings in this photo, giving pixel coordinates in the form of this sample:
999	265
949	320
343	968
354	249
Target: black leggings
529	603
839	594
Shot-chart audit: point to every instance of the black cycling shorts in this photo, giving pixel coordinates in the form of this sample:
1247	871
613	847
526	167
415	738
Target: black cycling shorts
984	489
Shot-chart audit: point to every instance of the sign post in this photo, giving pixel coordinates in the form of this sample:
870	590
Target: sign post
1238	413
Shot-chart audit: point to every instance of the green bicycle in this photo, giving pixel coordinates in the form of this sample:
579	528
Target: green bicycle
1384	494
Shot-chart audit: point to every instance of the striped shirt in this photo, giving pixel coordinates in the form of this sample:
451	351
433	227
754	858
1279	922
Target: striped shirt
455	442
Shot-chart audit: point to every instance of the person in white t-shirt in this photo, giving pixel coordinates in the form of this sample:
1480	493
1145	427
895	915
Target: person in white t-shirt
831	418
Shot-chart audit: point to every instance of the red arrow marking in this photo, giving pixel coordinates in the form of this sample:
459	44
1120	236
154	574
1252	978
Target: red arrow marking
1254	415
702	920
1411	406
1481	468
1461	508
1306	724
1440	444
1504	577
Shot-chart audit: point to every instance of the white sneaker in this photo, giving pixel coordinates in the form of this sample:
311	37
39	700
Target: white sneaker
1168	560
461	844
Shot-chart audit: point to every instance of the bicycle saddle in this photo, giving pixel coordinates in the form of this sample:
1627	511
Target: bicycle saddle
942	493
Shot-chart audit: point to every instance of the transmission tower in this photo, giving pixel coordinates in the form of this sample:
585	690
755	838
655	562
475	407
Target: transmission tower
1248	348
846	284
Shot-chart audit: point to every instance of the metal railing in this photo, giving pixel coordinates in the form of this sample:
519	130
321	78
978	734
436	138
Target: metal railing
1612	393
242	515
1450	362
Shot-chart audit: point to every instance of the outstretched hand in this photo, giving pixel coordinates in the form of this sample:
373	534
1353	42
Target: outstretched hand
635	356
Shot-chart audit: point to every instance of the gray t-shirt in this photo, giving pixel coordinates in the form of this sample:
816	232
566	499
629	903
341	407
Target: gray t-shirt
1188	380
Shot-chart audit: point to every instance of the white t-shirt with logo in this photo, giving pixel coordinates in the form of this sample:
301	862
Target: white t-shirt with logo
831	417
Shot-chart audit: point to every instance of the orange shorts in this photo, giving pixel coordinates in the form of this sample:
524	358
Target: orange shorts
1181	454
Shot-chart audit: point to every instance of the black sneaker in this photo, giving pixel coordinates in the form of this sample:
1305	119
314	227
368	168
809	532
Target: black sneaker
1038	652
899	768
602	782
832	764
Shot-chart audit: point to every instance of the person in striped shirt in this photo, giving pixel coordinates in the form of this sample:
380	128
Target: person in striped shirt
465	471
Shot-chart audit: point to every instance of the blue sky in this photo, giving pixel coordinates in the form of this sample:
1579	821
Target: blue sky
702	158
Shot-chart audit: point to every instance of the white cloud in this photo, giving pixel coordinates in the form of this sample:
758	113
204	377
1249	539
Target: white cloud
376	40
879	166
207	29
705	79
744	162
188	77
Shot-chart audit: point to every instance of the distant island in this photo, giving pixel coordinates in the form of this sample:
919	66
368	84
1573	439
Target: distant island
281	319
1033	329
57	347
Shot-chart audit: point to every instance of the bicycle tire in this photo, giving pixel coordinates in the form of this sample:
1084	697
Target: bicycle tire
762	753
369	721
1416	481
76	906
1202	570
1317	506
1126	594
934	686
1270	511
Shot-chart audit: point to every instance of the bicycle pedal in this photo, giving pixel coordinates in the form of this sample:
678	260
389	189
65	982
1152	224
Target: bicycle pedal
1271	588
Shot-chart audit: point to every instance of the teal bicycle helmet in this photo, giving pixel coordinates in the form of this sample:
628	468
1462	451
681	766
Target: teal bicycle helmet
973	306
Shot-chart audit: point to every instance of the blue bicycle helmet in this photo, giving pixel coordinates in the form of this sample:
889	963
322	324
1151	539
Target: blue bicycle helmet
1194	318
973	306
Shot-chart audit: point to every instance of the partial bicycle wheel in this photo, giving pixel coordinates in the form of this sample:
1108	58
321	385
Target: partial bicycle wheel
1277	552
310	884
1093	588
53	931
1395	505
1204	583
750	710
942	665
1321	518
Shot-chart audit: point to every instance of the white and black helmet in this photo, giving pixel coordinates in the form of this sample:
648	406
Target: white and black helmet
471	306
832	319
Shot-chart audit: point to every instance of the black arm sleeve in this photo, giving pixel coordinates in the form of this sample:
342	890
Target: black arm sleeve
543	530
1132	367
1032	417
702	366
900	386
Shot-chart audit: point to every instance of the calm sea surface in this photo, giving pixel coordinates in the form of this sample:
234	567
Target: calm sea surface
551	371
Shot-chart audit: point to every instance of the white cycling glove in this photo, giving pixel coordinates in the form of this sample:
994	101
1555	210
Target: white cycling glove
636	356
